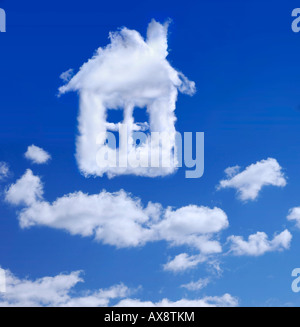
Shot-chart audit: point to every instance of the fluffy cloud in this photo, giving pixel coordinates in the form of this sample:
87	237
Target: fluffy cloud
113	218
183	262
55	291
121	220
193	225
250	181
226	300
27	190
294	215
37	155
131	73
258	244
198	285
4	170
117	218
58	291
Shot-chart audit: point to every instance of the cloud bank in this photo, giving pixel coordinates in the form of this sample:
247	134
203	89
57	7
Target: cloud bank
55	292
58	291
226	300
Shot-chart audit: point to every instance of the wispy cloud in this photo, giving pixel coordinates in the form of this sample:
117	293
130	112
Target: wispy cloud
198	285
4	170
183	262
67	75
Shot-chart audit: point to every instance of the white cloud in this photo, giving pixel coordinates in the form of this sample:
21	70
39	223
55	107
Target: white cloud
129	73
198	285
117	218
258	244
37	155
183	262
58	291
250	181
194	226
100	298
113	218
55	291
226	300
4	170
27	190
294	215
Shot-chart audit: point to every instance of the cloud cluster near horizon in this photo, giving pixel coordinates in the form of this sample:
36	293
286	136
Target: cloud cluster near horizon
58	291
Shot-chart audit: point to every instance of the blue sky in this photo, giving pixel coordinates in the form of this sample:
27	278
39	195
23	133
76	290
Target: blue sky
244	60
